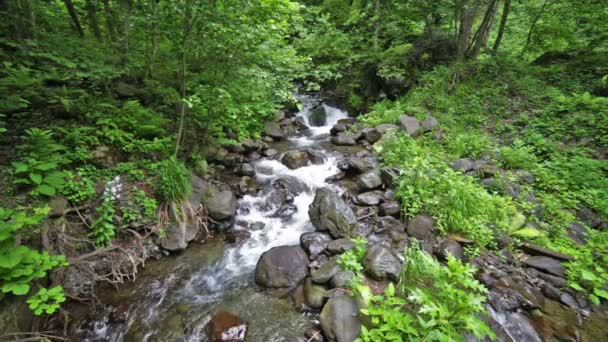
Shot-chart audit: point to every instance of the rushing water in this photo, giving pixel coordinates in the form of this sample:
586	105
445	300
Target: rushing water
177	303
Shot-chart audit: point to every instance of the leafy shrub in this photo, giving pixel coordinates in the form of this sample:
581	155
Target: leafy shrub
173	181
138	208
46	300
39	163
20	265
471	144
434	303
78	188
351	260
103	227
518	156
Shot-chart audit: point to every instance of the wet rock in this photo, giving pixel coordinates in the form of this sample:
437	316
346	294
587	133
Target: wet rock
450	247
569	300
343	139
282	266
546	264
270	153
410	125
316	157
370	180
463	165
381	263
286	211
578	233
314	335
295	159
348	121
257	226
558	282
329	212
358	164
337	129
317	117
237	235
420	227
290	184
77	282
429	123
227	327
314	295
314	243
388	224
389	175
273	130
551	292
58	205
247	170
248	185
253	145
390	208
371	135
338	176
339	320
177	236
235	148
383	128
533	249
340	246
221	205
370	198
324	273
590	218
502	186
342	279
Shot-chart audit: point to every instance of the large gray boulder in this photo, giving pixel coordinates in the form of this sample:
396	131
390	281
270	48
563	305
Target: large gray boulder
295	159
546	264
324	273
317	117
273	130
221	205
177	236
343	139
283	266
314	243
329	212
410	125
429	123
420	227
369	180
381	263
340	321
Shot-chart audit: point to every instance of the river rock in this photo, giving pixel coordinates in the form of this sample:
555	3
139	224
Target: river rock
389	175
429	123
340	246
324	273
221	205
533	249
450	247
370	198
329	212
420	227
295	159
383	128
410	125
463	165
337	129
340	320
273	130
283	266
227	327
177	236
370	180
381	263
314	295
590	218
343	139
247	170
317	117
390	224
270	152
546	264
342	279
371	135
359	164
390	208
314	243
316	157
578	233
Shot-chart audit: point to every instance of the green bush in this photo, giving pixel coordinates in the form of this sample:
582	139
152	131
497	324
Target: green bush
173	181
518	156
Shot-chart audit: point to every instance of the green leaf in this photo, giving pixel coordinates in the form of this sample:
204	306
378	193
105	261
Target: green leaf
36	178
600	293
46	190
588	275
16	288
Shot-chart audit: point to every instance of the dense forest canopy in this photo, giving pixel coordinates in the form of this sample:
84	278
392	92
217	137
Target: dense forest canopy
108	107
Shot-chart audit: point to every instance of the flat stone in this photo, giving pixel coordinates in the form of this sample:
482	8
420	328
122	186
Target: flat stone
325	272
340	246
420	227
546	264
410	125
533	249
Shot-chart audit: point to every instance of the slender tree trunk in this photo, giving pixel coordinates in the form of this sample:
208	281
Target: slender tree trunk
377	25
534	22
126	6
92	12
74	15
480	37
154	39
109	20
468	11
182	75
503	23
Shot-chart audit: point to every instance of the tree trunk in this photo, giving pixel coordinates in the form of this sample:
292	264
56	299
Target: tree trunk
481	35
182	75
126	6
467	12
109	20
74	15
377	25
503	23
534	22
154	39
92	12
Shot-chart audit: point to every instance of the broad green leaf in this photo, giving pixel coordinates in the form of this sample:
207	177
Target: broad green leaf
46	190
